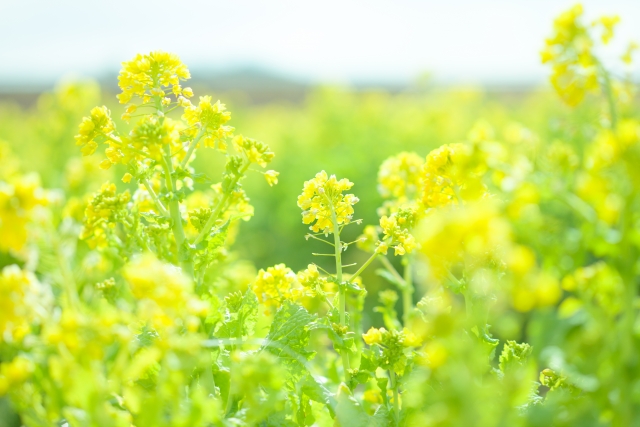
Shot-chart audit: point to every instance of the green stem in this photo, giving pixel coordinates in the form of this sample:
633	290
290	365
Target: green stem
342	307
396	403
155	198
364	266
407	293
608	92
392	269
192	147
176	216
220	207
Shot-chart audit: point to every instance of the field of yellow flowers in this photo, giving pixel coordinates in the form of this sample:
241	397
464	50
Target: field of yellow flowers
440	258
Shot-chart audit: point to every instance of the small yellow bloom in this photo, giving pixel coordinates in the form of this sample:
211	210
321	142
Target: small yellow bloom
272	177
373	336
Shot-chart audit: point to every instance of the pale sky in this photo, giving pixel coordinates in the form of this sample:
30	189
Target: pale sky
342	41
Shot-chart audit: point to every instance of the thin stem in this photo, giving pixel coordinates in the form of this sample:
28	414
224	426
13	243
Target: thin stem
407	292
176	216
364	266
317	238
396	403
155	198
219	208
608	92
342	299
192	147
392	269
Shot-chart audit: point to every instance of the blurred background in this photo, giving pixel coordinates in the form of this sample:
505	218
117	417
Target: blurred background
334	85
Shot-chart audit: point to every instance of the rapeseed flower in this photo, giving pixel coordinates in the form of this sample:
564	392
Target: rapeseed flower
322	201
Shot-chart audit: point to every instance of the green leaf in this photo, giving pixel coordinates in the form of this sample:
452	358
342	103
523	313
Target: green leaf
289	335
240	315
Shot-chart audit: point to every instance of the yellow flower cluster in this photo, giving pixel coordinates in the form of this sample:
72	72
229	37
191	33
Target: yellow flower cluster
146	75
20	196
210	118
395	347
102	214
149	137
98	127
570	51
451	174
599	283
14	373
276	285
22	302
400	178
255	151
165	294
322	201
396	229
471	235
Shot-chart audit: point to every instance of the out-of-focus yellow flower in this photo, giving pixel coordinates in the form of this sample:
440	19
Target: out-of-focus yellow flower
452	174
15	372
373	336
471	234
272	177
399	178
608	23
165	293
322	198
397	231
570	51
19	198
23	301
102	214
145	75
276	285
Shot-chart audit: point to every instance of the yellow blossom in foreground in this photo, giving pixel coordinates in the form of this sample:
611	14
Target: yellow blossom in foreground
473	234
322	200
165	293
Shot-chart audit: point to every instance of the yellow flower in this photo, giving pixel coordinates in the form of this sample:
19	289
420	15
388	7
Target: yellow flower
452	174
255	151
211	118
276	285
102	214
19	197
98	127
474	234
373	336
400	177
23	301
164	292
608	23
145	75
396	229
272	177
322	199
570	52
